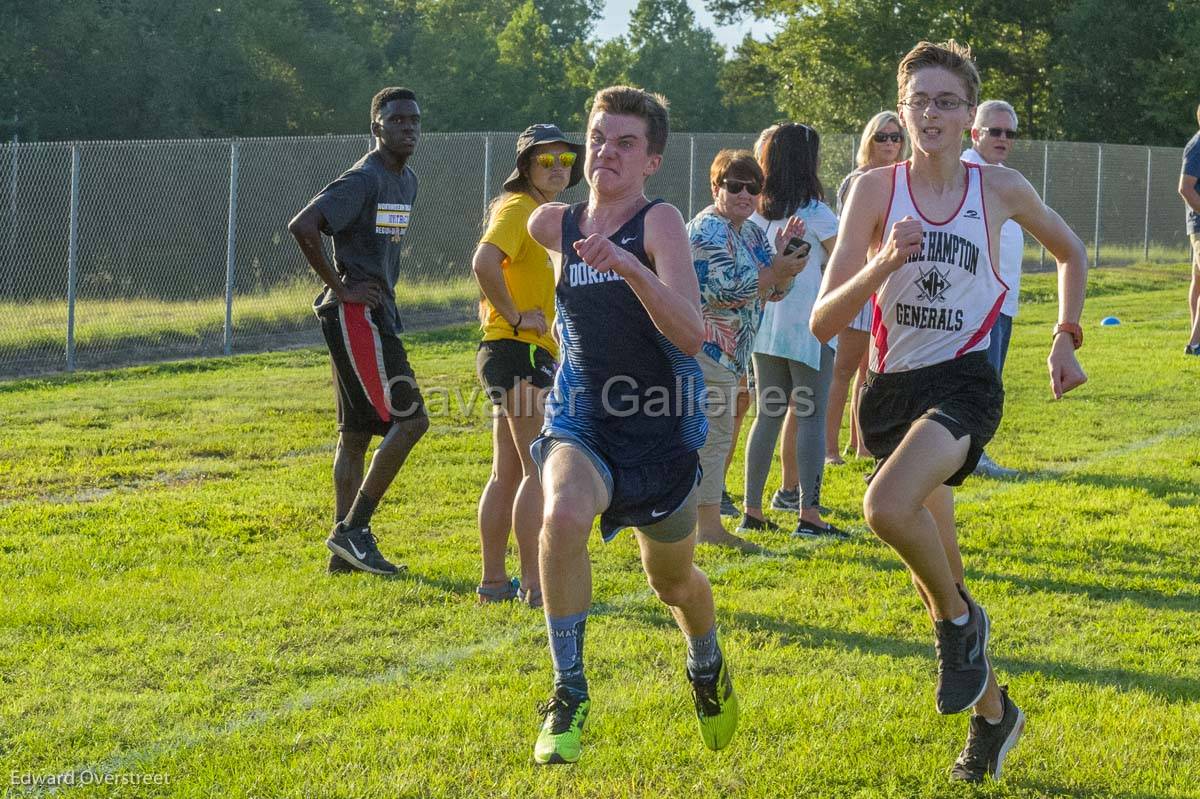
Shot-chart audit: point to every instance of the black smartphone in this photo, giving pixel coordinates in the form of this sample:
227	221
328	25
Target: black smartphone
795	244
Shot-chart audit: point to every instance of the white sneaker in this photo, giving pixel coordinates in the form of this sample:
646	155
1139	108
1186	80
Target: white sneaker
989	468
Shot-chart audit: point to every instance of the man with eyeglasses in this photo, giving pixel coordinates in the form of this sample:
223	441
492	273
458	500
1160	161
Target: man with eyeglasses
992	135
1189	190
920	239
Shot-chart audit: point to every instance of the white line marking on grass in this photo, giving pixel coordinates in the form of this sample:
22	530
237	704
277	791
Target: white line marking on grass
422	666
984	493
304	701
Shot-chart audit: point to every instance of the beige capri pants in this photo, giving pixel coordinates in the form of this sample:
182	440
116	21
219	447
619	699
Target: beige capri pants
721	392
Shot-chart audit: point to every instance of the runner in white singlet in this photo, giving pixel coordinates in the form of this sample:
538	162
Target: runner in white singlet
943	301
932	400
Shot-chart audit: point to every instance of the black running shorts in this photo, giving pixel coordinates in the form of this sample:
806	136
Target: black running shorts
375	383
963	395
503	363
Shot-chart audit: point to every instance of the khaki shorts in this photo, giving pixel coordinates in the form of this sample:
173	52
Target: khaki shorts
721	387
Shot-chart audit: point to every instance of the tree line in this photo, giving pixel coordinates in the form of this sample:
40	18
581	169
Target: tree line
1082	70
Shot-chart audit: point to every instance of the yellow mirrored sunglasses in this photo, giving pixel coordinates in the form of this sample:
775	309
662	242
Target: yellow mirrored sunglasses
547	160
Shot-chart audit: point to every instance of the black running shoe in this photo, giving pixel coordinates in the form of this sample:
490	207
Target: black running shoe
988	744
809	530
727	506
356	546
339	566
750	524
962	660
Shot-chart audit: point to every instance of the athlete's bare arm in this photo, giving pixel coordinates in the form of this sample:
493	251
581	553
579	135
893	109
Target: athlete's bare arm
850	279
545	225
488	266
1019	202
306	228
672	296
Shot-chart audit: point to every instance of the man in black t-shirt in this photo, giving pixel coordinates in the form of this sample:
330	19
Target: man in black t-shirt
366	212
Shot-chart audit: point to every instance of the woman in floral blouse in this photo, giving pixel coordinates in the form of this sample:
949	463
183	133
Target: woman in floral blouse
737	273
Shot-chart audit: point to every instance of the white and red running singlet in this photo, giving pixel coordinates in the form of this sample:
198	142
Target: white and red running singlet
943	301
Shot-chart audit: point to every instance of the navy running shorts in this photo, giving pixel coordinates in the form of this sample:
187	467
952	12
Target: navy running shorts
659	499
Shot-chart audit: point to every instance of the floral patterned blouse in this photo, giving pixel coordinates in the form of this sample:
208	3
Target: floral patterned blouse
727	263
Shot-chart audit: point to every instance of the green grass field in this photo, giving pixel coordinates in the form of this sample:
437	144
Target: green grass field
126	324
164	607
1111	254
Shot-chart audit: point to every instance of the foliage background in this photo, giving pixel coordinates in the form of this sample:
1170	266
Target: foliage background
1084	70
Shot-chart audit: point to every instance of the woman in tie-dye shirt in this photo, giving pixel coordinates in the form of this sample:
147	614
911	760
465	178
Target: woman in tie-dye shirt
737	273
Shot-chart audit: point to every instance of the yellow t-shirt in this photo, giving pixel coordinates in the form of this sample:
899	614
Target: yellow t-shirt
528	273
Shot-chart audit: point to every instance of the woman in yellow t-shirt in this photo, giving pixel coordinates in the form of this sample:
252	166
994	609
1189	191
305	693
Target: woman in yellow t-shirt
517	357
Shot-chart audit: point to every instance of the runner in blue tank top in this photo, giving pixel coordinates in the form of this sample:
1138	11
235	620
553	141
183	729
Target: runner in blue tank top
625	391
625	419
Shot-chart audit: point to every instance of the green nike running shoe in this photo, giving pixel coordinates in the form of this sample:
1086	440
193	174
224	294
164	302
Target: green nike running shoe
562	728
716	708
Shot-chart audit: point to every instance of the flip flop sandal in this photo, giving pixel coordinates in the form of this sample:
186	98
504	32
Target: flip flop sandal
506	592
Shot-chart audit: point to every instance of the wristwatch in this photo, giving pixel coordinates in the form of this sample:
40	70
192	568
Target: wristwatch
1073	330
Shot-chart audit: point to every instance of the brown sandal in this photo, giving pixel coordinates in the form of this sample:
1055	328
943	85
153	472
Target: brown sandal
506	592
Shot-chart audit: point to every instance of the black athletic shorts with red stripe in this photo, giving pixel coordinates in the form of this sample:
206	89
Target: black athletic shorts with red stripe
375	383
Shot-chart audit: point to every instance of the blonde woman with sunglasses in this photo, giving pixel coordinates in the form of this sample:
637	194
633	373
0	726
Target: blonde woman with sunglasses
883	143
518	355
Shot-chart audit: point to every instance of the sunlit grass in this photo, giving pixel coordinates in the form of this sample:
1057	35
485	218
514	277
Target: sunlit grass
165	608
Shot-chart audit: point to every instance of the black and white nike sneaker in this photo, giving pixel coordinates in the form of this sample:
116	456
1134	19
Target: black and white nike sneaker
356	546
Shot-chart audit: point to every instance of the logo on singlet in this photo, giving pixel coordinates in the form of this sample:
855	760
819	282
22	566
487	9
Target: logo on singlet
971	213
933	285
580	274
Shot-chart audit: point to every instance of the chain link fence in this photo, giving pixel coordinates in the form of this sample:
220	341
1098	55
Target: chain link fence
130	252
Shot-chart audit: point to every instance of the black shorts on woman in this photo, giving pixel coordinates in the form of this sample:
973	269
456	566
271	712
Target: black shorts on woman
502	364
963	395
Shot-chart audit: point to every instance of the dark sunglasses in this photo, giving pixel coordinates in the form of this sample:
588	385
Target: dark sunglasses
880	138
736	186
1001	133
